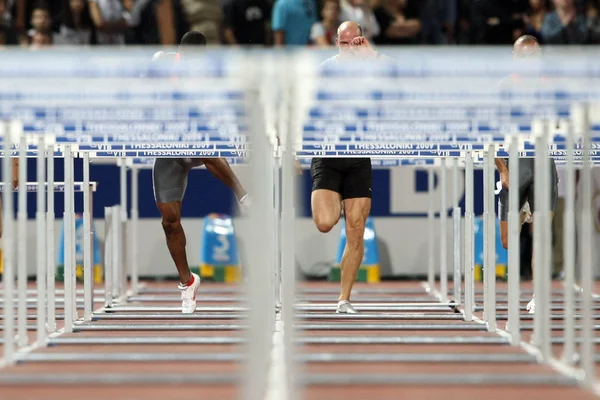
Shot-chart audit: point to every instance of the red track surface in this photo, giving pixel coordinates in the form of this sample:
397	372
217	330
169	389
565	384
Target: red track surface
328	392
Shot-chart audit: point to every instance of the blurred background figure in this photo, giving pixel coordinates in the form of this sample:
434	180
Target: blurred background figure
247	22
75	26
323	32
8	34
565	25
292	21
398	21
40	39
593	19
533	19
205	16
41	21
112	19
495	22
438	21
361	11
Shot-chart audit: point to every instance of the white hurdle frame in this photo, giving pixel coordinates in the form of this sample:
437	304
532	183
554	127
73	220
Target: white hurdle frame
22	246
443	233
9	246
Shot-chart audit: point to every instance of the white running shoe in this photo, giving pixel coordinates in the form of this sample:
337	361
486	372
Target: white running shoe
527	211
344	307
188	295
531	306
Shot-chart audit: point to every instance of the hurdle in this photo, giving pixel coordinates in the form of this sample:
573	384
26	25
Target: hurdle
45	305
117	293
296	314
328	144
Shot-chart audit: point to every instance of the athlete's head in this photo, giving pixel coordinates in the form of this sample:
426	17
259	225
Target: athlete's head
192	40
346	32
526	46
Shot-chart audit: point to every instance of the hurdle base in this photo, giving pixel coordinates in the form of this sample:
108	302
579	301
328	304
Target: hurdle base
366	273
98	273
219	273
501	272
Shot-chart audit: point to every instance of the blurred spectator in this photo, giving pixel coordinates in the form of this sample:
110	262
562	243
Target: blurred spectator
463	25
22	10
361	11
111	19
75	26
41	22
161	22
323	33
534	18
438	19
8	35
292	21
495	21
565	25
247	22
205	16
593	17
40	39
399	22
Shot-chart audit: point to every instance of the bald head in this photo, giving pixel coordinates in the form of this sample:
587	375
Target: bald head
526	46
346	32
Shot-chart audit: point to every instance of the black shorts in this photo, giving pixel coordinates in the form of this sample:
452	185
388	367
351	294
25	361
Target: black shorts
350	177
526	188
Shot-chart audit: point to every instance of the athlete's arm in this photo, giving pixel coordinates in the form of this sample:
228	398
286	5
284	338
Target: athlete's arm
229	36
503	170
15	172
220	168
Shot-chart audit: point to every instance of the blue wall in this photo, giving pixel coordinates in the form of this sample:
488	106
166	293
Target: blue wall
206	194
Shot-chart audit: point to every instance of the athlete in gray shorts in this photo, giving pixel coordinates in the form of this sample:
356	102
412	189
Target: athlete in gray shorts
170	176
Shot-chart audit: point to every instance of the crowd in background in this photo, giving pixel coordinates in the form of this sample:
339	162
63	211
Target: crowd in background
297	22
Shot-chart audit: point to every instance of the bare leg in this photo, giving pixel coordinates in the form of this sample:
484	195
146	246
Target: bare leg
220	168
326	208
356	212
176	241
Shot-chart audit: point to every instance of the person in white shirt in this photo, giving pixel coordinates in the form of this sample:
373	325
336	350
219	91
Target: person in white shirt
361	12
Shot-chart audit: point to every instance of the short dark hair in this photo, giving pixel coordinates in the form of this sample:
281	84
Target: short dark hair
193	38
41	5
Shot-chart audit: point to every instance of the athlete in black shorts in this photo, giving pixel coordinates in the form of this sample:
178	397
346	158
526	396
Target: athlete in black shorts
526	47
169	176
345	182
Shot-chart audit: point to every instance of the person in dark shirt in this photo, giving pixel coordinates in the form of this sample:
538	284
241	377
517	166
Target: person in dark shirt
247	22
398	22
565	25
495	21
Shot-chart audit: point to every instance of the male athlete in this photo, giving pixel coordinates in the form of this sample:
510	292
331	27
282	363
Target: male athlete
526	47
345	183
170	180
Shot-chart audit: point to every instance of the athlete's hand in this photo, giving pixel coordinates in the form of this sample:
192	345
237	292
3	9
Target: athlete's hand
298	167
245	202
504	179
361	47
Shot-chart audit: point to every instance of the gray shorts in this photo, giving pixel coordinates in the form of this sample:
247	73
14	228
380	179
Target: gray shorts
169	177
527	187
